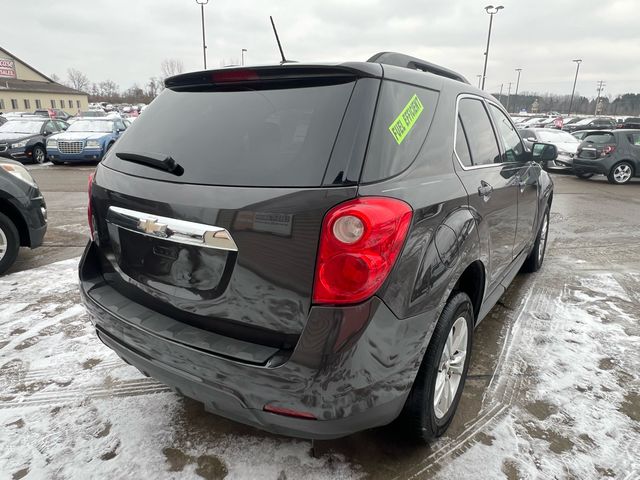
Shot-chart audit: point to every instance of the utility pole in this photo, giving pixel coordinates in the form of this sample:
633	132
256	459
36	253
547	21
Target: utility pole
578	61
601	86
491	10
500	97
202	3
519	70
508	97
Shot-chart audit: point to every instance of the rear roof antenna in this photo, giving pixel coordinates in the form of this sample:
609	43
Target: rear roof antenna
284	60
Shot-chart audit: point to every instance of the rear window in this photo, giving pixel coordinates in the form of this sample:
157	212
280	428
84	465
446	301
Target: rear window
403	116
279	137
600	138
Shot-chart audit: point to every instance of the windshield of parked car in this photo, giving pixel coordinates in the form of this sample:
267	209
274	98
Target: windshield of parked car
21	127
91	126
557	137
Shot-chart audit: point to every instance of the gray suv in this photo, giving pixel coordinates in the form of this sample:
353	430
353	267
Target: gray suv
308	248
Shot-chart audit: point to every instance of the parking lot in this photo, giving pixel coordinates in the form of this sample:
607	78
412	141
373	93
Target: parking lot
553	390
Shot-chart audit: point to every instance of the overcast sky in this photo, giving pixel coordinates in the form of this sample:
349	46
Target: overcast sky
126	40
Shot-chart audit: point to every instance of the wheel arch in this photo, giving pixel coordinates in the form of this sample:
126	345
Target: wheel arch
14	215
472	281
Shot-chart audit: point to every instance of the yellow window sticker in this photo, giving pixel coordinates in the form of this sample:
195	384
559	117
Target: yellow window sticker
404	122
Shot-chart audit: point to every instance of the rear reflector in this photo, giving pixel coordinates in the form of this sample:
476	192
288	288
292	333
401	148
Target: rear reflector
359	243
287	412
89	209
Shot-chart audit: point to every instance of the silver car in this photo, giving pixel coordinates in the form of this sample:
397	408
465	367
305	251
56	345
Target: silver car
566	144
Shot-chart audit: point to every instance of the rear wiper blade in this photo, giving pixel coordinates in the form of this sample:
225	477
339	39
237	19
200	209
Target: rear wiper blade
153	160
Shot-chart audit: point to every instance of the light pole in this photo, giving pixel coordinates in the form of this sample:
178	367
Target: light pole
578	61
519	70
202	3
491	10
243	50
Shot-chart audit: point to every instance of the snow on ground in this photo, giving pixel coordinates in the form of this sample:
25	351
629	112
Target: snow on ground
579	416
70	408
563	402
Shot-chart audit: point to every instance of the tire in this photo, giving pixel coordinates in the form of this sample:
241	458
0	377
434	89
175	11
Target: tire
536	257
620	173
39	154
584	176
422	416
9	243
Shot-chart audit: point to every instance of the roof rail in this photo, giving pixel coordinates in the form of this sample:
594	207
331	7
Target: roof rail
406	61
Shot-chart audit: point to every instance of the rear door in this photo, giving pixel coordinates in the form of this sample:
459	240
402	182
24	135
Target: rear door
228	241
528	174
490	183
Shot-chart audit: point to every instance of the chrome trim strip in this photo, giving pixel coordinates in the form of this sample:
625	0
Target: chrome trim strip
171	229
455	131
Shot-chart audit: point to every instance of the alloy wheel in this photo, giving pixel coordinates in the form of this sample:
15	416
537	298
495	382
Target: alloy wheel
39	155
542	245
3	244
622	173
451	367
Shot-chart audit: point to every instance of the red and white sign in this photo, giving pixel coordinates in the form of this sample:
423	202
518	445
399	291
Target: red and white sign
7	68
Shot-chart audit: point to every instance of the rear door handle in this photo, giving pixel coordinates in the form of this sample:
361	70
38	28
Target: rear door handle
485	190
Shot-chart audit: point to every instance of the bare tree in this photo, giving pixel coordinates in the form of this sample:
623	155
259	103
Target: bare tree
54	77
77	79
171	66
108	89
153	87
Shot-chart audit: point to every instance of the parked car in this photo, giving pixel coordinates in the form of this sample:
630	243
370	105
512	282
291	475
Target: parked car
3	120
307	260
24	139
615	154
598	123
532	122
23	212
630	122
566	144
87	139
53	113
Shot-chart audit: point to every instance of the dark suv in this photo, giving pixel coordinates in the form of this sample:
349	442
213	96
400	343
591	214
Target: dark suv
23	212
308	248
615	154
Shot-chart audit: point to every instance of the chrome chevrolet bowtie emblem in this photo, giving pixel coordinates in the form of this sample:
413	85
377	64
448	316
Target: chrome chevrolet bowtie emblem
152	227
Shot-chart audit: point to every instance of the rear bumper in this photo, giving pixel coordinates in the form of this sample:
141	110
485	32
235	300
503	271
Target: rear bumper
589	166
352	368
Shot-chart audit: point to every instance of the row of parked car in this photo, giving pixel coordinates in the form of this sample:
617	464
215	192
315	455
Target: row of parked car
590	149
572	124
34	139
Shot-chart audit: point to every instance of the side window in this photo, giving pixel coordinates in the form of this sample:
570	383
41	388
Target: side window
634	139
61	125
120	125
462	145
514	151
50	127
480	136
402	120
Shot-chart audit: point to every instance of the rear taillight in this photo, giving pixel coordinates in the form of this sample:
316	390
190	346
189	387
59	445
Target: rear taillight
89	209
230	76
288	412
608	150
359	243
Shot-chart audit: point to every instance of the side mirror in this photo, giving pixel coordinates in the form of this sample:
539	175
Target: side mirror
544	152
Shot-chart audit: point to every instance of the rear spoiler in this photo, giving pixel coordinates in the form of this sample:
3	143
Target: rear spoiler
406	61
252	76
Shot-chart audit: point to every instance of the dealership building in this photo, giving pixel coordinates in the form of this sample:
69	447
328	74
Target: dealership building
25	89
